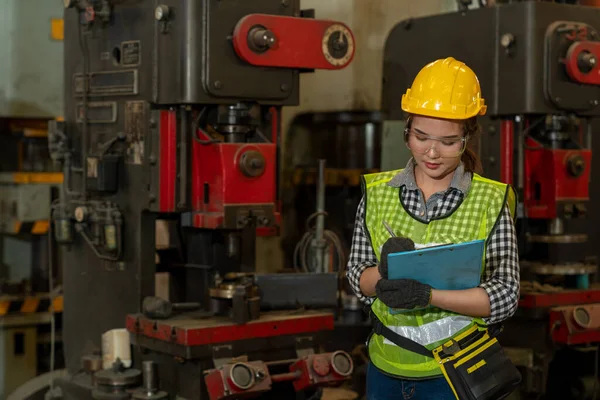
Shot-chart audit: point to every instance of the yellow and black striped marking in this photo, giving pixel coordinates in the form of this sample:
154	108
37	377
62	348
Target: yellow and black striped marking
30	304
33	227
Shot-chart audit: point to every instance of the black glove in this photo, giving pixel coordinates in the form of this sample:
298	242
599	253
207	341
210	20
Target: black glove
393	245
403	293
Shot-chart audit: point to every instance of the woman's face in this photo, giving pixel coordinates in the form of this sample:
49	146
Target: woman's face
436	145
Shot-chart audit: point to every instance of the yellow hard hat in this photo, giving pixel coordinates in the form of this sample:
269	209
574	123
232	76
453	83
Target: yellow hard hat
445	88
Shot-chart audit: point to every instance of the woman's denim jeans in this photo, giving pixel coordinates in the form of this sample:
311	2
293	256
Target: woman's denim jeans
383	387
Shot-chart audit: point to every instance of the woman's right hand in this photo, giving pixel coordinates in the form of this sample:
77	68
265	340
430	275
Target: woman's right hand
368	280
391	246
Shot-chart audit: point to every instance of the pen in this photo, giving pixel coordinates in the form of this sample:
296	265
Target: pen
389	228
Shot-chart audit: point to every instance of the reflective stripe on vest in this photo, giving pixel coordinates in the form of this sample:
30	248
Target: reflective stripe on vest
474	219
432	332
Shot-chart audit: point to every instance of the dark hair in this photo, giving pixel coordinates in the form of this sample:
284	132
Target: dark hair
469	158
471	161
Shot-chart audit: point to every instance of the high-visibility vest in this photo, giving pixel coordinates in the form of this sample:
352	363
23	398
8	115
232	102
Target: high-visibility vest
474	219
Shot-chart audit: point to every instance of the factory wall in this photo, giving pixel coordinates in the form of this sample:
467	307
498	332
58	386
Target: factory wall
31	59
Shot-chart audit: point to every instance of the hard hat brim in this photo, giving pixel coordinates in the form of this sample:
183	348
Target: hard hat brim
413	106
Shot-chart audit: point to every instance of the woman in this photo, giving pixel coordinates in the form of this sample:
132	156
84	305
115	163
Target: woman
437	198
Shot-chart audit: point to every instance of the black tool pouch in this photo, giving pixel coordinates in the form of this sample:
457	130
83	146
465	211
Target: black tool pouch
478	369
473	363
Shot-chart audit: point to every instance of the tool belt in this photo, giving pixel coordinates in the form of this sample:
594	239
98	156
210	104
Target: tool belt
474	364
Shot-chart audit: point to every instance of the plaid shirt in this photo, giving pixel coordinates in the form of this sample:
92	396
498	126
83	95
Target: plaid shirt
501	277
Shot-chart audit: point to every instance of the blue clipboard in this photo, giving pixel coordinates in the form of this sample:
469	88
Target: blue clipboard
444	267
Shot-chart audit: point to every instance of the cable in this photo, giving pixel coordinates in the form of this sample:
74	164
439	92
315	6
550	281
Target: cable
51	293
303	247
89	241
32	387
595	373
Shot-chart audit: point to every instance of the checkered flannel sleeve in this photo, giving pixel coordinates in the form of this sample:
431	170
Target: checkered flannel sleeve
362	255
502	275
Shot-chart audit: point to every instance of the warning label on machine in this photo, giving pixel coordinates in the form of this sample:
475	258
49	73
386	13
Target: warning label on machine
131	53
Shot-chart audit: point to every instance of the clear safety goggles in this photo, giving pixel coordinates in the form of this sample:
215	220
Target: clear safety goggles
445	147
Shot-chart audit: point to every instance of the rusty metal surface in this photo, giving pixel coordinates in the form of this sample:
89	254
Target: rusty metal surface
190	321
190	331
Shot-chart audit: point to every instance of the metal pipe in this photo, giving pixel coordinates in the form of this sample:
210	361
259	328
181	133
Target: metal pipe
507	151
150	377
232	241
290	376
280	362
183	147
520	154
556	226
192	54
320	220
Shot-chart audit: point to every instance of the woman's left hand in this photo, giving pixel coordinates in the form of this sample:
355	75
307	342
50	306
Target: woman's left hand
403	293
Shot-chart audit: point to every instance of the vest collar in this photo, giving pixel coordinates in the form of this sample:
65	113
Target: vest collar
460	181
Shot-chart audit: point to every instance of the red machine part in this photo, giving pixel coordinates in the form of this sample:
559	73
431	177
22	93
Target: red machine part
583	62
553	176
290	42
168	160
238	380
222	176
248	379
193	332
575	324
318	369
228	174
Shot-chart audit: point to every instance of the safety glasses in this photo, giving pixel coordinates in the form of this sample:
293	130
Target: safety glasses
444	147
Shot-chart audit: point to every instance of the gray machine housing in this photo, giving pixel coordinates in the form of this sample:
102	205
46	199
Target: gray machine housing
505	45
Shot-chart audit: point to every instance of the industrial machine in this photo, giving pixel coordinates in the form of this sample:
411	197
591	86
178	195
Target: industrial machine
172	113
538	67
